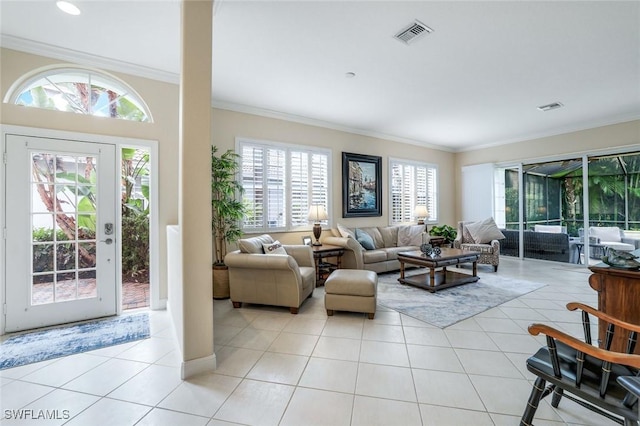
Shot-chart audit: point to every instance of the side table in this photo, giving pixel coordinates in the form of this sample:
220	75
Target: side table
323	267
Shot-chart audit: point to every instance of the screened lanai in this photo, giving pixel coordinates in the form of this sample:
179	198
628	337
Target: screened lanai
553	200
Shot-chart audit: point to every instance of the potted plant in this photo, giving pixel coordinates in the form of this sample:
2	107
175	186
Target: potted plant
226	213
449	233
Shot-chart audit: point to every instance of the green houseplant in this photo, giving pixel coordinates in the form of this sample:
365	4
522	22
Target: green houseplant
448	232
226	213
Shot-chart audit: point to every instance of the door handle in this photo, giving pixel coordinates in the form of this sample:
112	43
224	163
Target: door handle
108	241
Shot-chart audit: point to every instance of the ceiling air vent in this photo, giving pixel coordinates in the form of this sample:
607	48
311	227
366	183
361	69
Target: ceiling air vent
549	107
412	32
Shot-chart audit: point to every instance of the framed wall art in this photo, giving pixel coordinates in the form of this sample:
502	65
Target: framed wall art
361	185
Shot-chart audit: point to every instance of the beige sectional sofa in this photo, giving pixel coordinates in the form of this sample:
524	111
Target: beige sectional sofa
388	241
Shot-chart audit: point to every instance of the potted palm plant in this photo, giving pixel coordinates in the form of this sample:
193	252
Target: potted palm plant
226	213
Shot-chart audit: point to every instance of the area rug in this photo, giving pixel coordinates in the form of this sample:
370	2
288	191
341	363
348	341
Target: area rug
56	342
451	305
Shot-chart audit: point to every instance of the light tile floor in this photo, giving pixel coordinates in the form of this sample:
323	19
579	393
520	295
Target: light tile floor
275	368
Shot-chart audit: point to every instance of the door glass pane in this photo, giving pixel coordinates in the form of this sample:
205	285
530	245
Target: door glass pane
42	289
87	255
42	228
66	287
43	257
66	256
87	284
66	199
65	227
66	169
86	226
37	204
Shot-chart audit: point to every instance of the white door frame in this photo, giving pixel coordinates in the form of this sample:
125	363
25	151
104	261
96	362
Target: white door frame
119	142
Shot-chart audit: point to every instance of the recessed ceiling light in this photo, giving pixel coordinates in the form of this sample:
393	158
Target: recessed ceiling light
350	74
67	7
549	107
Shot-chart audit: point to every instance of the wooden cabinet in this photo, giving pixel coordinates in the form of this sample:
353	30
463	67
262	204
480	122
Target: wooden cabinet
619	296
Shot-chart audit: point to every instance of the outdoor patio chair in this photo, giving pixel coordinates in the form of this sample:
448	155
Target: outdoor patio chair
584	373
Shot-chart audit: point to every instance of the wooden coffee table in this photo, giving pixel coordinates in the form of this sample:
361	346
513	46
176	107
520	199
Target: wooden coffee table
438	279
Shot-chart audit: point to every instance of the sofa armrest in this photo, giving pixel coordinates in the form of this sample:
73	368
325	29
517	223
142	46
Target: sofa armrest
236	259
633	241
457	243
492	247
301	253
347	243
353	256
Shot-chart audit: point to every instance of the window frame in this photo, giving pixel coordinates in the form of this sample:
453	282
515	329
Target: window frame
240	142
93	77
434	213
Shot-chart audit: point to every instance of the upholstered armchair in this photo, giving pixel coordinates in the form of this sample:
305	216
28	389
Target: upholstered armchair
286	278
489	250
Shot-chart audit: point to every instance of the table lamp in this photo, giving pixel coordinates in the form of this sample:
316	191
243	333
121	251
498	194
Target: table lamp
421	213
317	213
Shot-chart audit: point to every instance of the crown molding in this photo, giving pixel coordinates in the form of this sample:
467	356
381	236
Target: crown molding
320	123
77	57
558	131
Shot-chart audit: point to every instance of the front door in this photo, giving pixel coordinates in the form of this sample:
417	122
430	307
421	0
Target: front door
60	231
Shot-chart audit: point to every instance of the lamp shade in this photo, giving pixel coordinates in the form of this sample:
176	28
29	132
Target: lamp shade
421	211
317	213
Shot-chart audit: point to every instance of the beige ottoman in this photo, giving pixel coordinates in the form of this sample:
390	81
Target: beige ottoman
351	290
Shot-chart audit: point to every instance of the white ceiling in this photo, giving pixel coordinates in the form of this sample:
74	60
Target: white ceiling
475	81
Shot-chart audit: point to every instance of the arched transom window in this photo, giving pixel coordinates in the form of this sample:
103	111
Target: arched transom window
81	91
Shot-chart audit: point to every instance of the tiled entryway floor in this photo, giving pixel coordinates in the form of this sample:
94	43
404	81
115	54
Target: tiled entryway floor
275	368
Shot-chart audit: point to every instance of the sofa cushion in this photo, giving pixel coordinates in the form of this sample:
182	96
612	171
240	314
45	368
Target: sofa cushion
410	235
392	253
345	232
374	256
484	231
375	234
606	233
365	239
620	246
555	229
389	235
274	248
253	245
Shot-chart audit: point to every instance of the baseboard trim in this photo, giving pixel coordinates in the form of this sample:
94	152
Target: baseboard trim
198	366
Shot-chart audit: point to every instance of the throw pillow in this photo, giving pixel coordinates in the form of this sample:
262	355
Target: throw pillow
274	248
253	245
410	235
345	232
484	231
553	229
466	236
365	240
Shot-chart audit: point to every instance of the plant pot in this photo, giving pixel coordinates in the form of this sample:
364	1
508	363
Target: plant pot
220	282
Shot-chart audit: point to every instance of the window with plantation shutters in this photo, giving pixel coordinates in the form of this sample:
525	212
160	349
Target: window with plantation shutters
280	184
412	184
